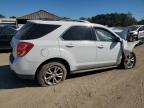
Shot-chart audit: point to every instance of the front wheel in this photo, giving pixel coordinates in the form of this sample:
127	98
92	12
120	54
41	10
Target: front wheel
128	61
51	74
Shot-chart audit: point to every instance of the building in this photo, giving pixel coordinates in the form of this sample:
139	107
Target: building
7	21
39	15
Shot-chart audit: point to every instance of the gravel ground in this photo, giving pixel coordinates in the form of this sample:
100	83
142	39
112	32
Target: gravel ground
112	88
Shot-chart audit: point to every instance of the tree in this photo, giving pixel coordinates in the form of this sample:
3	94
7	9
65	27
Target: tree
89	19
83	18
114	19
141	22
13	17
2	16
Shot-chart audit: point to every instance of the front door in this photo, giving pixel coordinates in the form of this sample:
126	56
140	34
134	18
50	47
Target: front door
108	48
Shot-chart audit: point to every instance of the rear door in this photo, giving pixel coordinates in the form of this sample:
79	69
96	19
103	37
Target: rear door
79	43
108	49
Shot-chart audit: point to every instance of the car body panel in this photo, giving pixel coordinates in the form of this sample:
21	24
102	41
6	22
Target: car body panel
108	53
80	55
82	52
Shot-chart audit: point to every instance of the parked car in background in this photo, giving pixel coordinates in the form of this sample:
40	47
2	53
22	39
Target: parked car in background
12	26
133	33
18	28
136	30
6	35
50	50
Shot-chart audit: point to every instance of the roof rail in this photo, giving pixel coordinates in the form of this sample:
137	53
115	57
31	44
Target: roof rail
85	21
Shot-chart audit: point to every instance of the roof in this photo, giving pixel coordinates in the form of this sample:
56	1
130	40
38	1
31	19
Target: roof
68	23
41	14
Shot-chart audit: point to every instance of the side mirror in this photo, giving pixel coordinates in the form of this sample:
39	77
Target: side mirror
117	39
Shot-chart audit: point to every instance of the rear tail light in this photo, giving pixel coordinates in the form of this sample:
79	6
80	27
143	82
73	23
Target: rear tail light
23	48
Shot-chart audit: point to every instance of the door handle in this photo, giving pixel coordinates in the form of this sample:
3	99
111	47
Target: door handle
70	45
101	46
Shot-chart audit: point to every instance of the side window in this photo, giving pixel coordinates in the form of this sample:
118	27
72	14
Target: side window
104	35
78	33
34	31
141	29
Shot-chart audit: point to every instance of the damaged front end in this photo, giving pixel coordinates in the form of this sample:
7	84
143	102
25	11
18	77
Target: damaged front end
128	46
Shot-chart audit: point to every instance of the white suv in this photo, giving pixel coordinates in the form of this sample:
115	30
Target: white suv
50	50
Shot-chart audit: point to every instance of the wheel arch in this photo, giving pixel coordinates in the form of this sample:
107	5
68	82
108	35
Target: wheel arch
61	60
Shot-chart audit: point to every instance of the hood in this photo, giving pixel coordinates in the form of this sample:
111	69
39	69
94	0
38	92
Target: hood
123	34
133	32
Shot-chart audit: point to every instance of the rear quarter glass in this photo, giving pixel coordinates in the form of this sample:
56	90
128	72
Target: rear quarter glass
32	31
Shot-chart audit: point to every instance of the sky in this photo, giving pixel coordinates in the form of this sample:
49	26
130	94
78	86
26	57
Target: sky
72	8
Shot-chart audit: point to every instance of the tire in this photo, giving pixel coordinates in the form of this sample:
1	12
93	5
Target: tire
129	61
131	39
137	38
51	74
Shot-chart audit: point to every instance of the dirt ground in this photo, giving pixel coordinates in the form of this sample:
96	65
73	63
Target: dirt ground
112	88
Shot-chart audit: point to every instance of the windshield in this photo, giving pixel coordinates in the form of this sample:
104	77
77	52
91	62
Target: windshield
133	28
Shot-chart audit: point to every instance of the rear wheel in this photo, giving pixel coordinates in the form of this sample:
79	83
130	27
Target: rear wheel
128	61
51	74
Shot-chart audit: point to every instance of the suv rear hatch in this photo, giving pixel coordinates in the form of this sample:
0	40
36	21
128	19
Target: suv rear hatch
31	31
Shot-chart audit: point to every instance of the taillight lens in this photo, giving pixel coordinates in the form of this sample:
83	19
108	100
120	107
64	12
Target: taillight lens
23	48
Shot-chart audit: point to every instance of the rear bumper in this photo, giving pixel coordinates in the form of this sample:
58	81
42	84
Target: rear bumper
28	77
22	68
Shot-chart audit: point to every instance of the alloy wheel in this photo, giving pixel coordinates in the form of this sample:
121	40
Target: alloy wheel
53	75
130	61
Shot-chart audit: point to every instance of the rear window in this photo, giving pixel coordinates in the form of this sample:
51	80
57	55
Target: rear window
34	31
